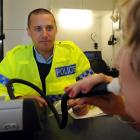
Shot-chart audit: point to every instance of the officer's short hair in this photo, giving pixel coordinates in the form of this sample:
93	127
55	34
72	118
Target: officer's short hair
39	11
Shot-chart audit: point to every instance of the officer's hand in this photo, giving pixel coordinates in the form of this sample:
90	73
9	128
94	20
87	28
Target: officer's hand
78	109
39	99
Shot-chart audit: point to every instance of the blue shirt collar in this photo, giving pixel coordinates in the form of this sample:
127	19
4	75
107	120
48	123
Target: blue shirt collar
41	59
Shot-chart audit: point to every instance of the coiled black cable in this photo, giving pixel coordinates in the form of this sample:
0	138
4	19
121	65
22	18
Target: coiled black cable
61	121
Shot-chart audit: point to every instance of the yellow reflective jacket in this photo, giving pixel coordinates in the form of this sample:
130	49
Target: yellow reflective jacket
68	63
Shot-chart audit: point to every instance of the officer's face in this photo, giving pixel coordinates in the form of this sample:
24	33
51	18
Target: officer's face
42	31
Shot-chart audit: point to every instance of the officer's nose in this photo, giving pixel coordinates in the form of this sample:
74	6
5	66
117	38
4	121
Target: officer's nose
45	33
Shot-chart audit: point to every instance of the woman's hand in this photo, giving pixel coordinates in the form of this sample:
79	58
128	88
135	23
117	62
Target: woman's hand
110	104
86	84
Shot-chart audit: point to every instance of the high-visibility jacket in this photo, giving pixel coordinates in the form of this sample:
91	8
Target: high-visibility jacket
68	63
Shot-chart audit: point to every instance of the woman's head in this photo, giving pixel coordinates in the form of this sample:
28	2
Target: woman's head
129	58
132	34
131	31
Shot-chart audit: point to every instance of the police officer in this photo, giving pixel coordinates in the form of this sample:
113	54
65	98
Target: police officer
49	64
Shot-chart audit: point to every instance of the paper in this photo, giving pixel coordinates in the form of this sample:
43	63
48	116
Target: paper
93	112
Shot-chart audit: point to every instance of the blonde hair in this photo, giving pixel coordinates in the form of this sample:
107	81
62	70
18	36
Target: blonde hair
131	32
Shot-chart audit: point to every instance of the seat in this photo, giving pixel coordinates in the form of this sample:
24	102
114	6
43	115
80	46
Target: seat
99	66
97	63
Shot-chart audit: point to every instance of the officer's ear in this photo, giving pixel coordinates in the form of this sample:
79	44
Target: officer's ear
28	31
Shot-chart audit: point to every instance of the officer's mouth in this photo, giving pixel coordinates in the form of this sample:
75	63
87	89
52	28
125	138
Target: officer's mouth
44	41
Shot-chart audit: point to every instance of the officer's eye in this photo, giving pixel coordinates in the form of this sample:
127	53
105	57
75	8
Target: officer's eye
38	29
50	28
